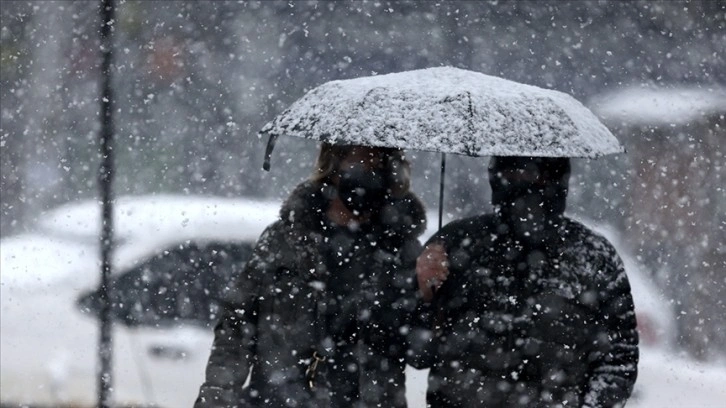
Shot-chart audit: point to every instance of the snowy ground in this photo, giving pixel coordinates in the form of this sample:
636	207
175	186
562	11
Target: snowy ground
666	380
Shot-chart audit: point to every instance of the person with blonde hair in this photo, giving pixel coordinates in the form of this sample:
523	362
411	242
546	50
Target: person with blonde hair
315	318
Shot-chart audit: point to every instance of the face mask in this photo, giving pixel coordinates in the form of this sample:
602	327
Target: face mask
531	213
524	198
529	205
362	191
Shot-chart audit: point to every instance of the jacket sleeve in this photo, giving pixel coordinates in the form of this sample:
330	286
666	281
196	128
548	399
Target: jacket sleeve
234	348
613	373
422	340
382	351
421	334
387	299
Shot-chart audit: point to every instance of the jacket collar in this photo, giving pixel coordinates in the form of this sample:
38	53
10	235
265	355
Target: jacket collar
308	203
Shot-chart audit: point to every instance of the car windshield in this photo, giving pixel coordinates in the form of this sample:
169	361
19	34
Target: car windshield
183	283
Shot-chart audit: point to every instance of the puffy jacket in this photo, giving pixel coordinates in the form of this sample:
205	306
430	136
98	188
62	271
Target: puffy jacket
516	326
313	287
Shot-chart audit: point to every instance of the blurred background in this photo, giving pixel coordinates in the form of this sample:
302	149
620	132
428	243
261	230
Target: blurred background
195	81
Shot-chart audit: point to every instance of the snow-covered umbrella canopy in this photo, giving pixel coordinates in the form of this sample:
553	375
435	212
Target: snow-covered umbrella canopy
447	110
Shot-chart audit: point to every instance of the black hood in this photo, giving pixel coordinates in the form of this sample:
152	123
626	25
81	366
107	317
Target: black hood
529	194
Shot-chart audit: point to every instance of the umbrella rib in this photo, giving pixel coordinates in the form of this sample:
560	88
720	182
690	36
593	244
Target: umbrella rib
441	188
470	123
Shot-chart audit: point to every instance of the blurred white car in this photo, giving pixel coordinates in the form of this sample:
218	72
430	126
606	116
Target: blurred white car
172	258
655	315
664	378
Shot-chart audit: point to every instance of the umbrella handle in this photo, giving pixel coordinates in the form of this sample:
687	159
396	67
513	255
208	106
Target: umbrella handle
268	151
441	188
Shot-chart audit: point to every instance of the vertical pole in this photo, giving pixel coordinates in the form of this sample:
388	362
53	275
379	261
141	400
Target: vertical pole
105	178
441	188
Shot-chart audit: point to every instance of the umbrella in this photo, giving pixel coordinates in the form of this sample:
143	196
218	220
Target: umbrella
447	110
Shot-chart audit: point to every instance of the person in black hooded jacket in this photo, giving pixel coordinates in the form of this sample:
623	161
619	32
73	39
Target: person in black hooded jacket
315	318
524	307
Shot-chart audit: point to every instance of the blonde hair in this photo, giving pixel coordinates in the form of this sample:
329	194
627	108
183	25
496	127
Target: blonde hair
330	157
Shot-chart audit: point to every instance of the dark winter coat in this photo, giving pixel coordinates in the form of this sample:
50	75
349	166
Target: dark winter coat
310	287
531	327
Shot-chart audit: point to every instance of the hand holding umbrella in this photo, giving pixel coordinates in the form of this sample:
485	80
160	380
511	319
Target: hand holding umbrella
432	269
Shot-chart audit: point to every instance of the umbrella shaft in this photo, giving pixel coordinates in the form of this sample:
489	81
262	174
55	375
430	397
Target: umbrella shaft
441	188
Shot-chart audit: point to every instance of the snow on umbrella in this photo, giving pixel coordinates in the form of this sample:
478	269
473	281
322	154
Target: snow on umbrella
447	110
